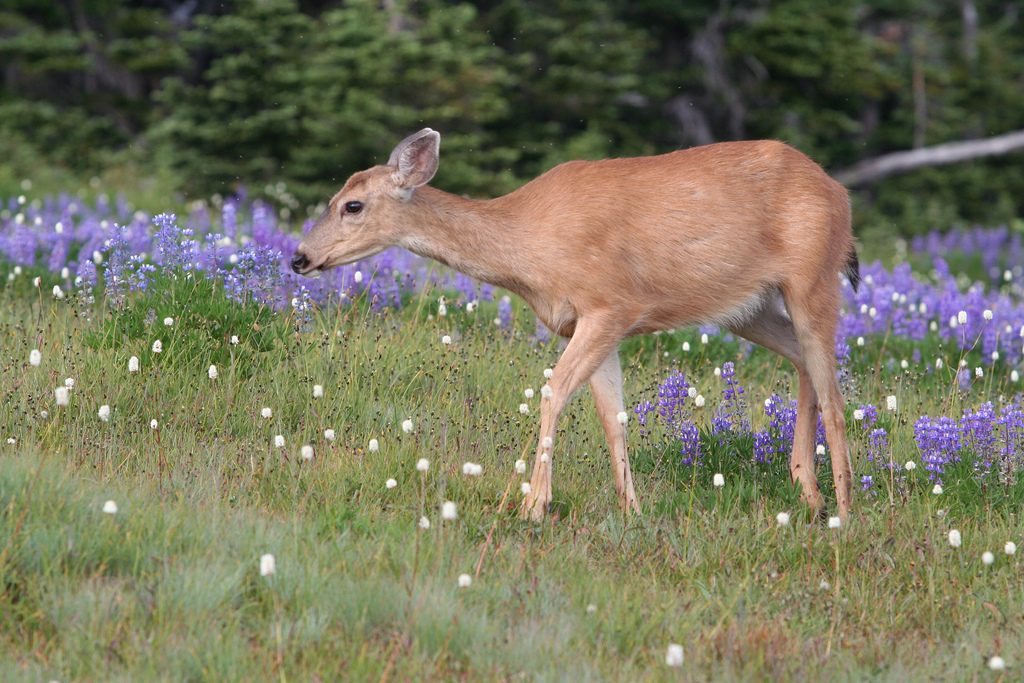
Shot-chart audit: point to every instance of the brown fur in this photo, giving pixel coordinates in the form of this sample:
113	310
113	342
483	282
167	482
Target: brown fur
601	250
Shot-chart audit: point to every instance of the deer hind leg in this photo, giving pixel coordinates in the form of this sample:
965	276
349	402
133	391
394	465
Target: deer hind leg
772	329
815	312
590	345
606	386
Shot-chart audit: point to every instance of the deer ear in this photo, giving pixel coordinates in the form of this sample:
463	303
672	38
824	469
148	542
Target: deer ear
415	158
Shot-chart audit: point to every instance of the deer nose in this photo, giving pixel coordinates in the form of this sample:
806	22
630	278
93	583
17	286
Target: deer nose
299	262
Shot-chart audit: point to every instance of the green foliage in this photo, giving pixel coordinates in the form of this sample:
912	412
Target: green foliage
207	95
168	587
204	321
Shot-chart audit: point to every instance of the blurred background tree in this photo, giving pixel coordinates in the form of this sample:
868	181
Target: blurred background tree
208	95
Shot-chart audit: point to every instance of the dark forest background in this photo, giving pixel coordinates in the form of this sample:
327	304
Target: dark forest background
290	96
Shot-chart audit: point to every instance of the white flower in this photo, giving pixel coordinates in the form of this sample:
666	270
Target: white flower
834	522
718	480
424	523
986	314
937	489
279	441
622	417
390	484
819	449
153	424
703	339
306	452
824	585
979	372
62	396
35	358
234	339
528	393
158	346
548	373
471	306
407	426
168	322
133	364
994	355
938	363
11	441
374	445
465	580
520	466
674	655
524	409
266	413
591	608
698	402
1010	548
954	538
996	663
64	275
904	364
686	346
910	466
422	464
357	276
110	507
718	372
212	372
782	519
37	282
442	309
545	391
890	402
69	382
448	511
58	293
318	391
858	414
329	434
987	558
472	469
267	565
104	413
691	392
446	340
546	442
961	317
525	488
860	341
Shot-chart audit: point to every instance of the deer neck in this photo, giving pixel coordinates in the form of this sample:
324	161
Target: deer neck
475	237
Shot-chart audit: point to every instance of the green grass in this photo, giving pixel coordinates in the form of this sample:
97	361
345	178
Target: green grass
169	588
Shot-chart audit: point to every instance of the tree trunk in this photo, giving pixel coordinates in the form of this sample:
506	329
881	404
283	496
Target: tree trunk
870	170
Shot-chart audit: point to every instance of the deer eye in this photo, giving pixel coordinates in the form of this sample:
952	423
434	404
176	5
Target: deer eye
353	207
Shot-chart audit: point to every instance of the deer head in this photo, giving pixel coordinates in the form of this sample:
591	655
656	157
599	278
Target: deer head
371	212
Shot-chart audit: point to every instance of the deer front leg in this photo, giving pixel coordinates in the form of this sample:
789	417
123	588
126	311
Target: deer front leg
606	386
591	343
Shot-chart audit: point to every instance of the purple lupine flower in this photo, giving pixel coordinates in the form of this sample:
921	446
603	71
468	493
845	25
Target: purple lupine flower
731	414
878	447
939	441
978	434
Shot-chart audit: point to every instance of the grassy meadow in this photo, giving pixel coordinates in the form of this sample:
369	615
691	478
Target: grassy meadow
169	587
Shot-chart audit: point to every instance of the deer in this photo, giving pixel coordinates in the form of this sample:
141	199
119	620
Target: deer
752	236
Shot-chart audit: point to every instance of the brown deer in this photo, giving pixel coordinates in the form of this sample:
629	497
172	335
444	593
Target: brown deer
747	235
